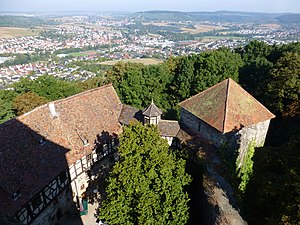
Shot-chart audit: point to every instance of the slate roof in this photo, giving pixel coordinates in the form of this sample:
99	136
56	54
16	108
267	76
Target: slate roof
227	106
37	146
129	114
152	110
168	128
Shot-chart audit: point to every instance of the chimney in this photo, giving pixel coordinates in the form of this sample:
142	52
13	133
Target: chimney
52	110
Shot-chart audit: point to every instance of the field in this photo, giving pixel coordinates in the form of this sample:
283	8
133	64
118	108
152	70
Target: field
215	38
145	61
270	25
200	28
11	32
83	53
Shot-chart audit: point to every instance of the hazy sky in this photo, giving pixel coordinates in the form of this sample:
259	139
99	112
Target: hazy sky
141	5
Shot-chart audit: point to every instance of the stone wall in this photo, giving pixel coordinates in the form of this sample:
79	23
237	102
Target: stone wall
255	134
237	140
205	130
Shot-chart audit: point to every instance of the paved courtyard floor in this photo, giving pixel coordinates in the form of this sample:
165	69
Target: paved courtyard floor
76	219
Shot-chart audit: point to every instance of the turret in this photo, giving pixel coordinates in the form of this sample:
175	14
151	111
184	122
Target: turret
152	114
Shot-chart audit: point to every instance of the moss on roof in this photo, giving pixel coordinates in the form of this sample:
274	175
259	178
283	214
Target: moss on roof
226	106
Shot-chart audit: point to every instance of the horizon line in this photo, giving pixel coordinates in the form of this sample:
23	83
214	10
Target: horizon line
140	11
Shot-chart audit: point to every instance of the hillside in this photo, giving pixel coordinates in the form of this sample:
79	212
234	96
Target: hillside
219	16
23	21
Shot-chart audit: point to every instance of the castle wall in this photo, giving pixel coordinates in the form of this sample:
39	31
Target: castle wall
199	126
255	134
78	170
237	140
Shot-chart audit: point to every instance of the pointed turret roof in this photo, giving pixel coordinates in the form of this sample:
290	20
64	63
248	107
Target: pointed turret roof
226	106
152	110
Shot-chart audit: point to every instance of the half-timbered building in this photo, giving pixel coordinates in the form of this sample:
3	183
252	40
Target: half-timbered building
45	153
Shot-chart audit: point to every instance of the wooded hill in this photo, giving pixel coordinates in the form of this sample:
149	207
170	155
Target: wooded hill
23	21
219	16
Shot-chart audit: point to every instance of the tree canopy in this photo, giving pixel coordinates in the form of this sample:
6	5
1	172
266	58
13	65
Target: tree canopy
47	86
273	193
28	101
147	185
284	87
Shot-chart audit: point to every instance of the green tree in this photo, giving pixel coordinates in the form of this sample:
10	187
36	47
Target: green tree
91	83
6	108
26	102
255	76
183	77
255	49
273	193
147	185
138	84
214	67
258	59
47	86
131	87
284	87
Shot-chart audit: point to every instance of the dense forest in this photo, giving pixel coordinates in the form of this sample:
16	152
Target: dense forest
269	73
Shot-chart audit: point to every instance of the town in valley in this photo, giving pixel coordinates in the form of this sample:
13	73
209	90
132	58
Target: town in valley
56	42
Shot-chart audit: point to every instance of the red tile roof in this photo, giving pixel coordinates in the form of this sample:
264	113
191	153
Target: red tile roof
36	147
81	116
227	106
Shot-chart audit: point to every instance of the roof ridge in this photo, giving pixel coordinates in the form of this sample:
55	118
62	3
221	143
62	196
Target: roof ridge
258	102
200	93
82	93
65	99
226	104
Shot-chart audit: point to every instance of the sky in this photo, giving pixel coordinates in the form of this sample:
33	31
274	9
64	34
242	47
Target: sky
143	5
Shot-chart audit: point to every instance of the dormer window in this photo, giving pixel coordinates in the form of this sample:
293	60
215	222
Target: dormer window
16	195
42	141
85	142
